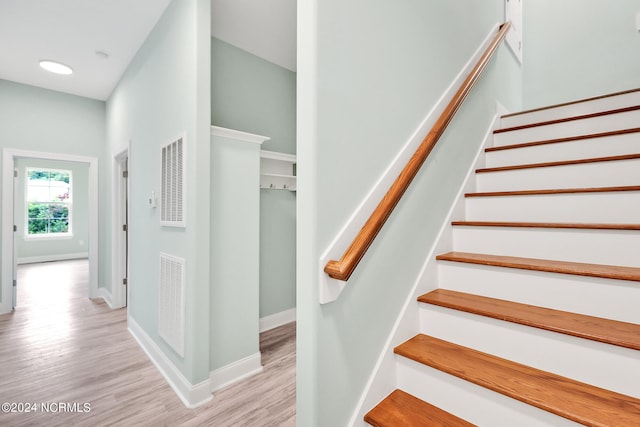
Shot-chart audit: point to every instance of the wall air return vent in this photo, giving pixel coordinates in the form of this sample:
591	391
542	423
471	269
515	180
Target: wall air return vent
171	311
172	193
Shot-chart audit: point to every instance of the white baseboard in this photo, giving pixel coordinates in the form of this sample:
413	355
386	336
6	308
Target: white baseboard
50	258
105	294
236	371
278	319
192	395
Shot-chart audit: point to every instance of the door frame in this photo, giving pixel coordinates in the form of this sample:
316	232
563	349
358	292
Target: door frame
119	255
9	156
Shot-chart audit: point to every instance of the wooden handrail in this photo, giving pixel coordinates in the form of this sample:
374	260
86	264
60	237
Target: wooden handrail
342	269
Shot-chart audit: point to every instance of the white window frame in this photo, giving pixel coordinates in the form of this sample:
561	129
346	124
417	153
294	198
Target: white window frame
47	236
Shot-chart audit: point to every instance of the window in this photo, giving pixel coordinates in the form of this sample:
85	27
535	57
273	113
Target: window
48	202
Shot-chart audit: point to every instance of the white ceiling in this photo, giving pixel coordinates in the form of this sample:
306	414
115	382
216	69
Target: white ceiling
72	31
266	28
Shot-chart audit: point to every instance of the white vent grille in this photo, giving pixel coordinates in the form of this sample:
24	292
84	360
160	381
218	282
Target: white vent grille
172	197
171	322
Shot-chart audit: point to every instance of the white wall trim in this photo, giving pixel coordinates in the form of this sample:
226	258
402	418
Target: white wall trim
382	379
8	161
330	289
54	257
513	13
192	395
277	319
117	217
274	155
235	371
239	135
106	296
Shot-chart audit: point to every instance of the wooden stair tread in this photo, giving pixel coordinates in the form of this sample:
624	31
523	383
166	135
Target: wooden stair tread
403	409
585	226
550	266
565	397
560	140
579	101
568	119
562	396
608	331
554	191
560	163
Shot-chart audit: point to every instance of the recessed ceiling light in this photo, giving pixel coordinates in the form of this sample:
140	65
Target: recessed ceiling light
55	67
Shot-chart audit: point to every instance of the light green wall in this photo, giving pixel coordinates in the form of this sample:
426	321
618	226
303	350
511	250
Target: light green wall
253	95
235	254
163	94
38	119
368	73
277	251
575	49
42	120
61	246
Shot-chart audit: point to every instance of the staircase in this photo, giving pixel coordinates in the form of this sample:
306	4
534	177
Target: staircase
536	321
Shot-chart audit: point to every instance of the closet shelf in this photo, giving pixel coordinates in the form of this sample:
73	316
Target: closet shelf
277	175
277	170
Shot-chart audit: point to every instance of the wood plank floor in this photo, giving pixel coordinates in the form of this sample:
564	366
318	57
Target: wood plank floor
58	347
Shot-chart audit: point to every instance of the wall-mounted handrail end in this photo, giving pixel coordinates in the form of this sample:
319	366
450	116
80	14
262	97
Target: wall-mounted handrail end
507	24
334	270
331	284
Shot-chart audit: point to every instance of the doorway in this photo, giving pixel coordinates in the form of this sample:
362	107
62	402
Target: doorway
9	256
120	248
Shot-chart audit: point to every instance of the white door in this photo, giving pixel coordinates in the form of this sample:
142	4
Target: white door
125	227
15	245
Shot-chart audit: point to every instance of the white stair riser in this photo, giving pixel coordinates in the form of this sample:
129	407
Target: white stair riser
603	365
581	149
607	207
572	110
609	247
591	296
468	401
606	123
600	174
576	358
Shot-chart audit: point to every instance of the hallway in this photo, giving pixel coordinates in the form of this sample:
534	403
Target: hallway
68	360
